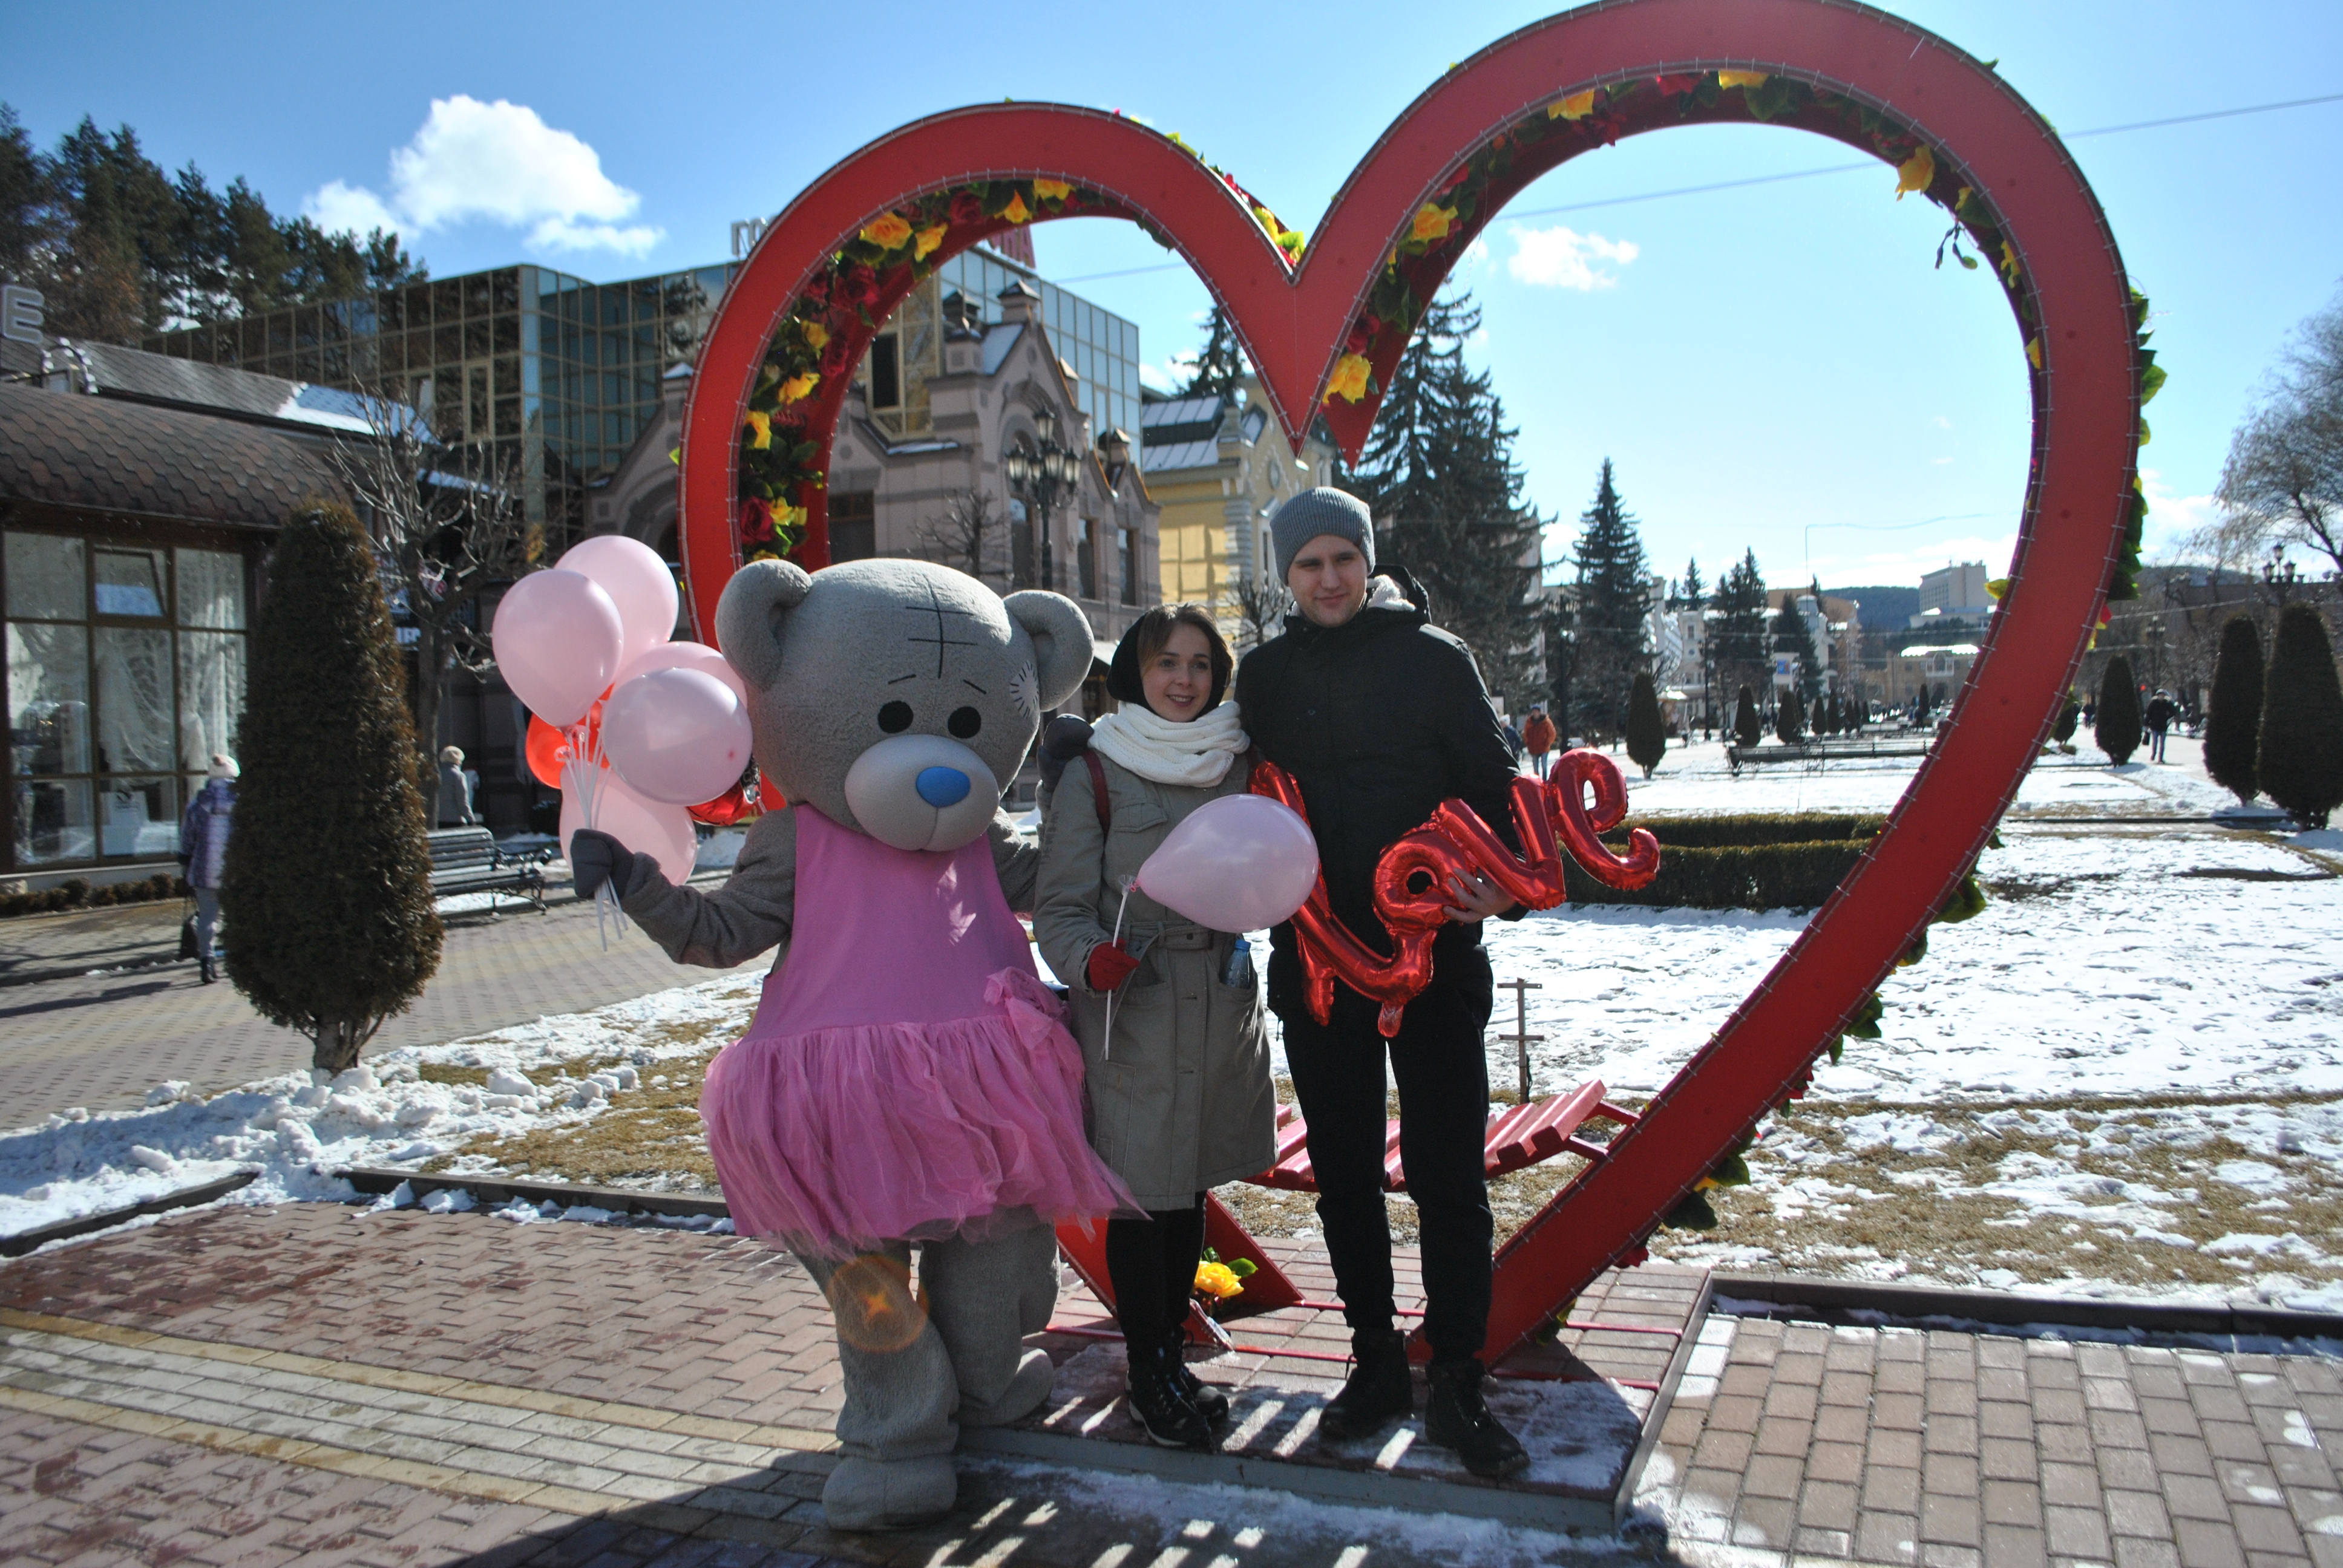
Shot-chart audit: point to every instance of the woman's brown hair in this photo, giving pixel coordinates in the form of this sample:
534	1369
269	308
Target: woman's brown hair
1149	635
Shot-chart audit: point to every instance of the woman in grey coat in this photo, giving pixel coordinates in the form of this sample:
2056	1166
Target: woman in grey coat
1179	1093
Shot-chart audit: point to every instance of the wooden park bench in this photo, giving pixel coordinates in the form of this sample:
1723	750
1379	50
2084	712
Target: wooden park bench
467	861
1815	754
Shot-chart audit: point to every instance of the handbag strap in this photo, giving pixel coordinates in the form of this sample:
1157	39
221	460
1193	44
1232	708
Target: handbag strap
1098	790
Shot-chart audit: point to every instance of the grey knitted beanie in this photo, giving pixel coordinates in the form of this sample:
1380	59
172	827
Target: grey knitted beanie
1312	513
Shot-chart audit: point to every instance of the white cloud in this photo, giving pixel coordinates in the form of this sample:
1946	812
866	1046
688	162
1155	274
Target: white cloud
1478	253
1562	257
502	163
2171	518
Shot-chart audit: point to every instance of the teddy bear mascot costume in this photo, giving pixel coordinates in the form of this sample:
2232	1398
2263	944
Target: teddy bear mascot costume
906	1079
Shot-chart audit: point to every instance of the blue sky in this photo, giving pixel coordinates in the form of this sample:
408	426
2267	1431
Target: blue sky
1775	366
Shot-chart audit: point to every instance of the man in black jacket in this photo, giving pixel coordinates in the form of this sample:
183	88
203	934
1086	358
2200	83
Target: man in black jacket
1379	716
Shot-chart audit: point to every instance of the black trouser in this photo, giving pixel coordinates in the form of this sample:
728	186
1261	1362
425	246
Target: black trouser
1152	1265
1443	1075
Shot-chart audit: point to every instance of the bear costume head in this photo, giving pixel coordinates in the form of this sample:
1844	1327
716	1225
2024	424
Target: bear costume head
897	696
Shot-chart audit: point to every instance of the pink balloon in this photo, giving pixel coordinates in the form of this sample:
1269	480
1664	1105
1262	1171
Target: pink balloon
1235	864
640	584
681	655
559	643
663	832
680	735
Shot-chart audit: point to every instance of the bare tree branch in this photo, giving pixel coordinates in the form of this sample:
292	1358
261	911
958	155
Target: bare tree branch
2283	482
1261	608
971	534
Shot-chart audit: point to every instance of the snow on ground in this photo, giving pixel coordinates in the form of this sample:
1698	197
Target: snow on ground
2130	1064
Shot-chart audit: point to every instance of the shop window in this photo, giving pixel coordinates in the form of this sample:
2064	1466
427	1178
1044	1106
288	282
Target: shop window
853	525
886	373
1086	555
1126	550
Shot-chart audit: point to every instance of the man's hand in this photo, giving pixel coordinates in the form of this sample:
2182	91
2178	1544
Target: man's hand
1110	965
1477	898
596	858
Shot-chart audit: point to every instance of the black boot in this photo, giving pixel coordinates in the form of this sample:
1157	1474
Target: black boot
204	967
1379	1393
1210	1401
1455	1418
1162	1405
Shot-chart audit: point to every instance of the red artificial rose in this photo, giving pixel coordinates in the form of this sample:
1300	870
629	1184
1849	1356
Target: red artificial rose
1356	343
756	519
857	289
967	206
836	356
1670	86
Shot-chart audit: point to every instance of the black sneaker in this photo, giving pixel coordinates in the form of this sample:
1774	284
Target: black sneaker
1162	1404
1210	1403
1455	1418
1380	1390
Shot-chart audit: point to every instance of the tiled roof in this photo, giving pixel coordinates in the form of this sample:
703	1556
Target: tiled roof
98	454
1179	411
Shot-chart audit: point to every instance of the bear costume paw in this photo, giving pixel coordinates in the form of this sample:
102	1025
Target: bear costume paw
1026	1392
890	1493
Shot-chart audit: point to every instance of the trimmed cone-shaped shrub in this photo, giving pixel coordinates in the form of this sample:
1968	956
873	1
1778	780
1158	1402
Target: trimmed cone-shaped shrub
2301	762
2233	717
1746	727
2117	725
1647	734
1790	719
326	891
2069	717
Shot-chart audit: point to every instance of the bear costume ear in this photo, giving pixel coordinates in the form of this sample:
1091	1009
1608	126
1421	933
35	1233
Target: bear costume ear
748	617
1062	641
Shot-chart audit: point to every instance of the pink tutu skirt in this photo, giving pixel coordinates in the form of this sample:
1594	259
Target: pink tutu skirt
833	1139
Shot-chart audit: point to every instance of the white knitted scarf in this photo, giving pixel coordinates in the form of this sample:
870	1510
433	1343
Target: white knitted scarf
1196	753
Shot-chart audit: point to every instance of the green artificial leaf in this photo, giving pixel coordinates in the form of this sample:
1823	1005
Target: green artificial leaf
2151	382
1730	1171
1693	1213
1966	902
1243	1268
1967	261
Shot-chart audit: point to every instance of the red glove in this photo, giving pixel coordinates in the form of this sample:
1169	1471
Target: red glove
1109	966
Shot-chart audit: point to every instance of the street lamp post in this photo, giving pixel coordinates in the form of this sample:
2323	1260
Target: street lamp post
1043	475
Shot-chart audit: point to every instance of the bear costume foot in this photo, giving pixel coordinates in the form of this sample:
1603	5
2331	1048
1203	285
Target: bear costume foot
1027	1392
890	1493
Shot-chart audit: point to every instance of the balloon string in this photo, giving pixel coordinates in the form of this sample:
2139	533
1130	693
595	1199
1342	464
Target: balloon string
582	772
1106	1045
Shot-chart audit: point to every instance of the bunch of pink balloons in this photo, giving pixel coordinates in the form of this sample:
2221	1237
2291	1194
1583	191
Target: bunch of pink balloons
675	720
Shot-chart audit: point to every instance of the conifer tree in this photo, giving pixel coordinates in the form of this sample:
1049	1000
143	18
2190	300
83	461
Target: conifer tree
2069	717
1790	637
2117	724
327	893
1690	594
2233	717
1440	476
1737	634
2301	762
1220	368
1615	600
1790	719
1746	729
1648	735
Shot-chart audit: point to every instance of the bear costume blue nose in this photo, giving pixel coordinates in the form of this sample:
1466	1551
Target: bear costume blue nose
943	787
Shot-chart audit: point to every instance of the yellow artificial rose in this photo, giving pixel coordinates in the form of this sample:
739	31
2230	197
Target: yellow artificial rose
1051	190
762	424
929	238
1741	78
2009	260
1577	106
1017	211
799	385
789	516
1999	588
1350	383
2033	352
1214	1279
888	231
1914	173
1432	221
817	335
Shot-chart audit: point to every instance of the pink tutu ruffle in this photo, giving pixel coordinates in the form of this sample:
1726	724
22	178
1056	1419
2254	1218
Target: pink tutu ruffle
833	1140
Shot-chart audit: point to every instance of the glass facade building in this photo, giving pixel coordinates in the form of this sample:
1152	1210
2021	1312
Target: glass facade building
562	372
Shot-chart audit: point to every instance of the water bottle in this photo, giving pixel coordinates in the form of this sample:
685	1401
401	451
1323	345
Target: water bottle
1237	973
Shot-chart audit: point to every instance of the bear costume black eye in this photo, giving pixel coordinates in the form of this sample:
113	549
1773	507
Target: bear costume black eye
964	722
895	717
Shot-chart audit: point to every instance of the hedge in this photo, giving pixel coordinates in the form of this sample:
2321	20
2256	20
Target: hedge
75	893
1778	860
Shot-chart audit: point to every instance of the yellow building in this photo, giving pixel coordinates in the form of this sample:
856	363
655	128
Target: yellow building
1220	468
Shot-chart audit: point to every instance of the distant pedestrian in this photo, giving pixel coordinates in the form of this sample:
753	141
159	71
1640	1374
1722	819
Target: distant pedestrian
203	852
2160	714
456	789
1513	742
1538	736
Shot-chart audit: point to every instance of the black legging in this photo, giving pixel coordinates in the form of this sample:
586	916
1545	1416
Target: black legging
1152	1264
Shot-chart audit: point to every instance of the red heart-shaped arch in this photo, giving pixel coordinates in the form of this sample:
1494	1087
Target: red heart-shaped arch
1294	322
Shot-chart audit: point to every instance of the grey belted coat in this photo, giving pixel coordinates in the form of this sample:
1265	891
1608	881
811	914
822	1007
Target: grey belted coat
1179	1098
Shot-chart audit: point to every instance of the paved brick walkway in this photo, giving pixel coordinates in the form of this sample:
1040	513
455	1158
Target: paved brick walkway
322	1385
103	1040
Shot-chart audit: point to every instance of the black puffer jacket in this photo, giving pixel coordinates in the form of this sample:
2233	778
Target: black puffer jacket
1380	720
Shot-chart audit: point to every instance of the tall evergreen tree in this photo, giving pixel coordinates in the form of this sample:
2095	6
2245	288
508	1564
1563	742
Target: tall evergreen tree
1220	368
2233	717
1648	735
1791	639
1738	633
2071	715
1440	476
326	894
1790	719
2115	724
1615	600
2301	762
1690	594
